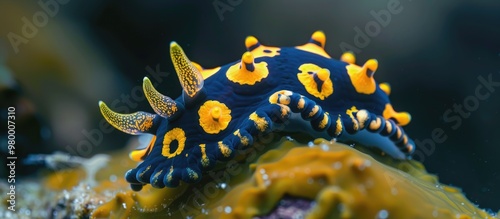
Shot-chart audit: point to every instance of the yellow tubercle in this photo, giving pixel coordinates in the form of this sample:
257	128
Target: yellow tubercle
214	116
402	118
362	77
316	44
247	72
140	155
189	76
259	50
348	57
385	87
307	75
176	134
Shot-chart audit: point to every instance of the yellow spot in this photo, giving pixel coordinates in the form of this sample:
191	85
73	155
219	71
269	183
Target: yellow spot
306	77
145	170
155	177
301	104
244	140
354	121
259	50
388	127
320	38
398	132
405	139
362	77
409	147
282	97
141	154
362	117
193	175
324	121
214	116
338	127
189	76
351	110
176	134
204	159
375	124
247	72
169	174
402	118
224	149
348	57
285	110
314	110
260	122
385	87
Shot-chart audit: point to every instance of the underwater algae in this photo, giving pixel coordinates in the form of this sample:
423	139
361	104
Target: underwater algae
336	180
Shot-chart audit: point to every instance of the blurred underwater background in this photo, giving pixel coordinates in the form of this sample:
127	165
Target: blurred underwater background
434	54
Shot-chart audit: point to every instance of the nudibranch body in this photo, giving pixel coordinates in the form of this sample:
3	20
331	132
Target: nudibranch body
290	90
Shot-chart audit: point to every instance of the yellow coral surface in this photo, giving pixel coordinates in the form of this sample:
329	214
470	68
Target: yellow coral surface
342	182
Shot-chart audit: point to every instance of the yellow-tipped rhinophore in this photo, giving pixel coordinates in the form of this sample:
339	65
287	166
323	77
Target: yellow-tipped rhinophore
134	123
251	43
161	104
316	44
348	57
318	37
362	77
386	87
189	76
247	72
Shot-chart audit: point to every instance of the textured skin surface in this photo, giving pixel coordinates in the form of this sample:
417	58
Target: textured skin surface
292	89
